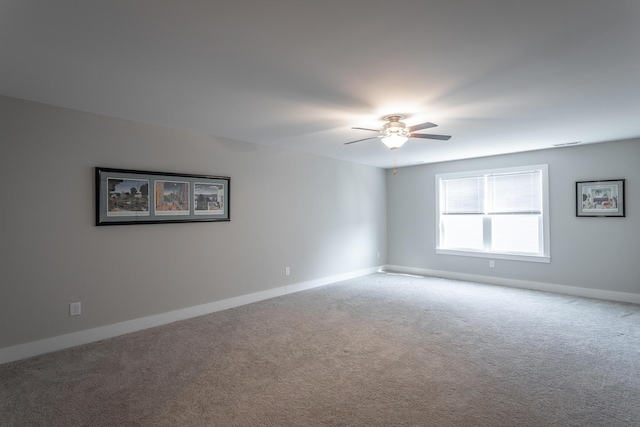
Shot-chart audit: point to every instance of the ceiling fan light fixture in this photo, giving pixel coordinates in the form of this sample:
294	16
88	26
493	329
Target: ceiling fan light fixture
394	141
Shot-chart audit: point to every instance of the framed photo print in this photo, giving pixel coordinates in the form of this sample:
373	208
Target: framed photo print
126	196
600	198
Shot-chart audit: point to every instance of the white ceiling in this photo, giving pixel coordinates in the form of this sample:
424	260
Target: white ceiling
499	76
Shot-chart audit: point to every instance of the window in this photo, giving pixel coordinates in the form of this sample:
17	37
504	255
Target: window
500	213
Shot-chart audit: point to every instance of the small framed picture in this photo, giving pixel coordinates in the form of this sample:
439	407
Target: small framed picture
143	197
600	198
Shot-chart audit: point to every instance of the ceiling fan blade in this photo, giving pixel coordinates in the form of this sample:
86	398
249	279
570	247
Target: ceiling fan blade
372	130
358	140
430	136
421	126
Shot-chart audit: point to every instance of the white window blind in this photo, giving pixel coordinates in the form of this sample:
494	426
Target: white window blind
515	193
464	195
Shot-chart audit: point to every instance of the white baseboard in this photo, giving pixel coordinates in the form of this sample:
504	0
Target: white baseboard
35	348
522	284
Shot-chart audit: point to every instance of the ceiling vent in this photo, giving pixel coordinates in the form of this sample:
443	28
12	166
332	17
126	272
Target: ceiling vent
566	144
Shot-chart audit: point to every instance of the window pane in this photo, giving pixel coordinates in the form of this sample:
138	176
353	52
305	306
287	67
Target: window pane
462	232
515	233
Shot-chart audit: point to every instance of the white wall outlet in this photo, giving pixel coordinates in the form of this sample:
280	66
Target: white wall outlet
378	255
492	263
75	309
287	271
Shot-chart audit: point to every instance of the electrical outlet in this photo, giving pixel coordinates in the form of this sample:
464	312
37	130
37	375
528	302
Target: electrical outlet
75	309
492	263
378	255
287	271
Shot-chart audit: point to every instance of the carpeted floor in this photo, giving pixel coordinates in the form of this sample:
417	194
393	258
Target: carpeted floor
382	350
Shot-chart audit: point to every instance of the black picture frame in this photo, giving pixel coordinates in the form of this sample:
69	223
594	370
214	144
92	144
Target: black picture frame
127	196
603	198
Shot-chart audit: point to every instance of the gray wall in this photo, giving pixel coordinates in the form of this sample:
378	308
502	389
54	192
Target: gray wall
596	253
320	217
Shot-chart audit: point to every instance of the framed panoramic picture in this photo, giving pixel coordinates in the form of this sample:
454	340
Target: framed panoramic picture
126	196
600	198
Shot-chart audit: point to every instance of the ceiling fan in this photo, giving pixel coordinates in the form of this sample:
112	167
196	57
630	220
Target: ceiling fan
395	133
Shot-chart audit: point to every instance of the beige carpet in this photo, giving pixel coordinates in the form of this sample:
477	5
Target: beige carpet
383	350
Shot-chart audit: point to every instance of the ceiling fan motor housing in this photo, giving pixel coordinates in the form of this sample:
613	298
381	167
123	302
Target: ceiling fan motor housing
395	126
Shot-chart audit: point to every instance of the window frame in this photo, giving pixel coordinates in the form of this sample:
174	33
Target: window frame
544	256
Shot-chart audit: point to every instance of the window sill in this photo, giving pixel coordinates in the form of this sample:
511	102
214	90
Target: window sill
495	255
